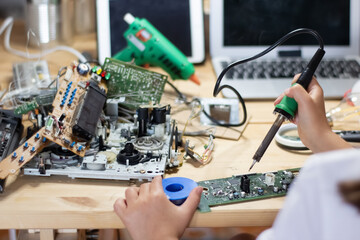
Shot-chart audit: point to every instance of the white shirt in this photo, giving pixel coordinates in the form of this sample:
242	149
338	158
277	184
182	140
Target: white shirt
313	208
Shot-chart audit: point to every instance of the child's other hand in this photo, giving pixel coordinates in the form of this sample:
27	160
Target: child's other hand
148	214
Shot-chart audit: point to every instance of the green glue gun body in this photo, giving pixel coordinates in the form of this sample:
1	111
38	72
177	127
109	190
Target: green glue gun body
146	45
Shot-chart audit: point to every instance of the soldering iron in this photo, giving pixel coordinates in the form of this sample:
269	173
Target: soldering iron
146	45
286	109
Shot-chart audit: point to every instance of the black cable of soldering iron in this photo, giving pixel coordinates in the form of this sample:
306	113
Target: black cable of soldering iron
217	89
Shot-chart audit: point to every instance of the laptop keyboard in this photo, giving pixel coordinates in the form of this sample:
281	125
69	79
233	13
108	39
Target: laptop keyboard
278	69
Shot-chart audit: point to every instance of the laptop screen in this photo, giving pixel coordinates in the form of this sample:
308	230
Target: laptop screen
262	22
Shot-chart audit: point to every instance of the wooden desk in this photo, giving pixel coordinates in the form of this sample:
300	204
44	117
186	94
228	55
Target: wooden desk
60	202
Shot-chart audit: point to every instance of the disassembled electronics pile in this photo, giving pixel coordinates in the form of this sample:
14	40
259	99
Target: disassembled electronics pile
79	141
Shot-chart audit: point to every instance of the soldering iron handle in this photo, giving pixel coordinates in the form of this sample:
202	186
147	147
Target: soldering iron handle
306	76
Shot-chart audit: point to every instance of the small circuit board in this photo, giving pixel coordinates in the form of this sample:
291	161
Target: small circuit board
46	98
77	108
247	187
23	154
133	84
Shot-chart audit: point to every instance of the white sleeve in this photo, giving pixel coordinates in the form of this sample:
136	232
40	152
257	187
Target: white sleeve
313	208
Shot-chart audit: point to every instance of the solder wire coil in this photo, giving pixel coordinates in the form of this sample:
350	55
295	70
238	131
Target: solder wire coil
177	189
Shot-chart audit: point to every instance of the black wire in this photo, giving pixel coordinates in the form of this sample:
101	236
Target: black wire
181	95
272	47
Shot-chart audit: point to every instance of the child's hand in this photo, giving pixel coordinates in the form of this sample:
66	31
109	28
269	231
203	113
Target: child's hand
350	191
148	214
313	128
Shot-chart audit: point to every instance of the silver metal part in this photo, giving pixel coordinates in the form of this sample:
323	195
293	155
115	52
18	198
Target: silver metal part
104	165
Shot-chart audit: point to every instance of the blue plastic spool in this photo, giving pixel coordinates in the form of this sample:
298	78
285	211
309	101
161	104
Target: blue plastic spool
177	189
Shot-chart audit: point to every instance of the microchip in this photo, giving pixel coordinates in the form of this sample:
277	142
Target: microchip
234	181
88	113
215	186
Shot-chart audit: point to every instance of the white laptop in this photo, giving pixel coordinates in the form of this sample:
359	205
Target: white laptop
242	28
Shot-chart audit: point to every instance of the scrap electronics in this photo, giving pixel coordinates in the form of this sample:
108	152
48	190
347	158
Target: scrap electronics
78	140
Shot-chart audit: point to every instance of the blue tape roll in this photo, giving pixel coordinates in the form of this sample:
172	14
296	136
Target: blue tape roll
177	189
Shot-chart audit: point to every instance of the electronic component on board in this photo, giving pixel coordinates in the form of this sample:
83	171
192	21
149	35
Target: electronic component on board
245	184
88	113
83	68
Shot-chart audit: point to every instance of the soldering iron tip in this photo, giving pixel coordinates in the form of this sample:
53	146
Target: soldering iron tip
252	165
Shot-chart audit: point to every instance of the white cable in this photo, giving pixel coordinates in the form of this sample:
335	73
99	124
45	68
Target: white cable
8	23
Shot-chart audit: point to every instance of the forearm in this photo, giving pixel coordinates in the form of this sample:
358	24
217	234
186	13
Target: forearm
329	141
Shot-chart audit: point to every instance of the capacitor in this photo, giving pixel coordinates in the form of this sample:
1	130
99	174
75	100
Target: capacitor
37	136
14	155
242	194
21	159
236	195
276	189
260	191
26	145
290	174
32	149
72	144
231	196
80	147
82	68
44	139
40	120
61	118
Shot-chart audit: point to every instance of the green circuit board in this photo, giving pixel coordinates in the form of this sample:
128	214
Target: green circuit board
247	187
135	85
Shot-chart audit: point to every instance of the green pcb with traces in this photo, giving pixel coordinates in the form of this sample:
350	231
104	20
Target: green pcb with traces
132	84
247	187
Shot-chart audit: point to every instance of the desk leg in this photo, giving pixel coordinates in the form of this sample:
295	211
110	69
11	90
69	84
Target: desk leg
47	234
